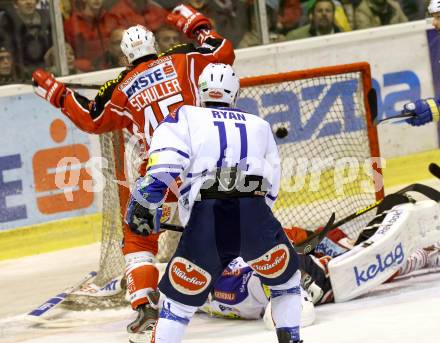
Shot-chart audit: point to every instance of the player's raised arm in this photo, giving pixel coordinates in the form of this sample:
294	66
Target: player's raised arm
196	26
109	110
86	114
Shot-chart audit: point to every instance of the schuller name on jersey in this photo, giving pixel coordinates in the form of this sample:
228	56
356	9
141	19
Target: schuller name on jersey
152	85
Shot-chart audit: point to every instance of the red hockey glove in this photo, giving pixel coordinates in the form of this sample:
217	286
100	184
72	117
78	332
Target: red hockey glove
188	20
48	88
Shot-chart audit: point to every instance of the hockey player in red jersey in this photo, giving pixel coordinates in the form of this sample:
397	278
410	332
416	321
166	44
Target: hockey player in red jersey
138	99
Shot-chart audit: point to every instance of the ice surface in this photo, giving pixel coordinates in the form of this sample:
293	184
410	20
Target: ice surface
407	310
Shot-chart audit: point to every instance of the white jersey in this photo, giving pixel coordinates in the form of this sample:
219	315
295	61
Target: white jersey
237	294
197	141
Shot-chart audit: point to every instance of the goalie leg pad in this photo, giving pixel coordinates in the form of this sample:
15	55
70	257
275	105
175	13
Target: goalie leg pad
416	261
404	229
434	256
141	275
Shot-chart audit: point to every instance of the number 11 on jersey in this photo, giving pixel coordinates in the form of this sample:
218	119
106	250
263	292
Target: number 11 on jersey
224	141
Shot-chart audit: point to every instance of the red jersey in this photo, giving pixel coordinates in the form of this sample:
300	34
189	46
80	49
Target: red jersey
140	97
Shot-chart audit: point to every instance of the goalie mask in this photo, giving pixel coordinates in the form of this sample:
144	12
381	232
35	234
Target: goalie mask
137	42
218	83
434	6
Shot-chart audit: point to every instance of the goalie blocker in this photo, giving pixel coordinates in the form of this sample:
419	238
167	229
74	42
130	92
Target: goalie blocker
405	228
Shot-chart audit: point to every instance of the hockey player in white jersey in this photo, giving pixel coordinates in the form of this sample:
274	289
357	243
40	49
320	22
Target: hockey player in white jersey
230	171
239	294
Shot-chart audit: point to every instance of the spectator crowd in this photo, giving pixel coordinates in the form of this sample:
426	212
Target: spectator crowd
93	28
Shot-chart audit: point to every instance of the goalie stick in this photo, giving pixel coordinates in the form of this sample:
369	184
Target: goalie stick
434	169
311	242
39	314
308	245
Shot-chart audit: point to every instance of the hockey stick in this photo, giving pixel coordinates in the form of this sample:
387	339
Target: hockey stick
170	227
82	85
308	245
312	241
372	101
71	84
399	116
38	314
434	169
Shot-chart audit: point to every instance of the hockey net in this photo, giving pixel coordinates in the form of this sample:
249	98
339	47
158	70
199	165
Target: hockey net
323	128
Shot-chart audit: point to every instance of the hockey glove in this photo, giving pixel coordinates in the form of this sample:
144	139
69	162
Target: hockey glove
48	88
424	111
188	20
143	212
142	220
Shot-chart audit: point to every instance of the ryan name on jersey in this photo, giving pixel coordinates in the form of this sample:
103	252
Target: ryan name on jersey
218	114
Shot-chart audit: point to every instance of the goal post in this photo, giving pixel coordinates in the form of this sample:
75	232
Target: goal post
327	143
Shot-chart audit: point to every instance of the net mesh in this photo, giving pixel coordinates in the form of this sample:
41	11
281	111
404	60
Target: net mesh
325	152
111	262
321	130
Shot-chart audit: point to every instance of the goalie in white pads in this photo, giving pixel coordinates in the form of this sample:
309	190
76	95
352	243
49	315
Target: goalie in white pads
402	238
230	170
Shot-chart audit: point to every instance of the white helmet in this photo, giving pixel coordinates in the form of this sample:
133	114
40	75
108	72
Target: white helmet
219	83
434	6
137	42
